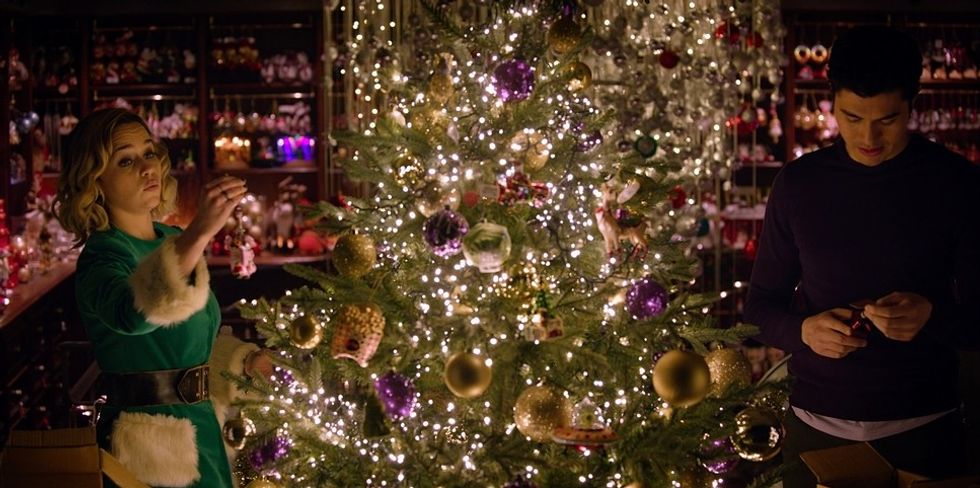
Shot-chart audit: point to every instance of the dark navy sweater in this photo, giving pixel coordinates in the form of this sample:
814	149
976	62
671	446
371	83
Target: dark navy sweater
837	232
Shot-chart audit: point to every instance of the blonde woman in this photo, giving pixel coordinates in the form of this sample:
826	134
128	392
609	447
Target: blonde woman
144	297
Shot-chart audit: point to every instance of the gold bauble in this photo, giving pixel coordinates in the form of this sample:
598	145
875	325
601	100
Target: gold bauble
681	378
436	197
261	483
522	283
728	367
532	148
539	410
305	332
758	434
431	122
467	375
407	170
236	431
580	76
354	255
440	87
564	34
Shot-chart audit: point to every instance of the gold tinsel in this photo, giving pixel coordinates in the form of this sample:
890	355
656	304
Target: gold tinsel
467	375
539	410
354	255
681	378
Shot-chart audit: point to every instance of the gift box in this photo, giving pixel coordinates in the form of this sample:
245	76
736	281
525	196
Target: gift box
860	466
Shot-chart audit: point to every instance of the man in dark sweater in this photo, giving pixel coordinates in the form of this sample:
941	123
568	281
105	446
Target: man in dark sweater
884	225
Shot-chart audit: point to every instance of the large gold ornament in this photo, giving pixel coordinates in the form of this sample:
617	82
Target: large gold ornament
305	332
467	375
441	82
580	76
431	122
681	378
407	170
564	34
539	411
354	255
522	282
262	483
758	434
357	332
436	197
728	367
236	431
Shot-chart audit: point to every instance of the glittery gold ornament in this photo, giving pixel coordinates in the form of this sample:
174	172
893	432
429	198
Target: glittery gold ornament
436	197
758	434
432	122
357	333
467	375
521	282
262	483
407	170
728	368
305	332
354	255
681	378
579	76
532	149
236	431
564	34
441	82
539	410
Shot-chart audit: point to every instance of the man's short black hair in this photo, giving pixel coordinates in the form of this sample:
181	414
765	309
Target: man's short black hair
873	59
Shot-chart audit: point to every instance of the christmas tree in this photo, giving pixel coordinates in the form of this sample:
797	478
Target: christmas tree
511	302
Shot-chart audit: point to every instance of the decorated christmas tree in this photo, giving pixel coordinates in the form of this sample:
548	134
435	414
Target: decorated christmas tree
511	301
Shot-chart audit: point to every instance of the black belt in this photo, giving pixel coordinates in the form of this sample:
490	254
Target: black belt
165	387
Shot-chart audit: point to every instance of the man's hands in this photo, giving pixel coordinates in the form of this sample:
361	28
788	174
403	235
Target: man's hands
899	315
828	335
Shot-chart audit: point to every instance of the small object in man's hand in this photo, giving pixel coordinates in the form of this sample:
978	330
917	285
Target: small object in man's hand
860	324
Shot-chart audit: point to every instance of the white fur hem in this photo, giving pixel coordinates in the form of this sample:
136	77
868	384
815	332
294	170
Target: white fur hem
159	291
159	450
227	354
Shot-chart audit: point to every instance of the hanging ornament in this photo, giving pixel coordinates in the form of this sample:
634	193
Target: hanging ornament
444	232
513	80
544	324
751	248
729	368
487	246
236	431
397	394
305	332
522	282
520	482
436	197
579	76
726	32
586	431
639	195
467	375
354	255
357	333
758	434
646	298
532	149
669	59
617	223
261	483
681	378
646	146
539	410
718	456
519	188
564	34
441	82
241	246
270	452
407	170
678	197
588	141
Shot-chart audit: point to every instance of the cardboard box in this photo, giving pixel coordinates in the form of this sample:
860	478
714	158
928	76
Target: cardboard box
860	466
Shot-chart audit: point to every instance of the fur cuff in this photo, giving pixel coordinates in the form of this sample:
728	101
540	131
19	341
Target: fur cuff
228	354
159	450
159	291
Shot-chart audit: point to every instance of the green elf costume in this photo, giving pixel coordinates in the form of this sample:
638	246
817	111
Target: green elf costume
142	316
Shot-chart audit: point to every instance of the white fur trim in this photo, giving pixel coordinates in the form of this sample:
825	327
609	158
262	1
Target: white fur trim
159	450
159	291
227	354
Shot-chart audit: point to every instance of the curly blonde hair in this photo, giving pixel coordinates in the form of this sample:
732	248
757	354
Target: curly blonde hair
81	205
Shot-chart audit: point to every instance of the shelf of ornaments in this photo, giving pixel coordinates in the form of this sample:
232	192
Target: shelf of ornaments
969	84
42	93
162	89
26	294
277	170
287	90
268	258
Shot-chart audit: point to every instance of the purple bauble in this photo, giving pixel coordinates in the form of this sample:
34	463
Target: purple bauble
444	232
646	298
396	393
590	141
513	80
270	452
718	456
520	482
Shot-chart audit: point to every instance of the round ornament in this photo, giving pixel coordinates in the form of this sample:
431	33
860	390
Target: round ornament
681	378
305	332
513	80
269	452
669	59
532	149
539	411
579	76
758	434
236	431
397	394
354	255
487	246
728	367
718	456
444	232
646	146
261	483
407	170
646	298
441	82
564	34
436	197
467	375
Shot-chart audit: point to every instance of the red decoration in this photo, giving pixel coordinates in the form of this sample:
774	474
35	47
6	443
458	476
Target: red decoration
751	248
678	197
471	198
723	31
669	59
754	40
519	188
